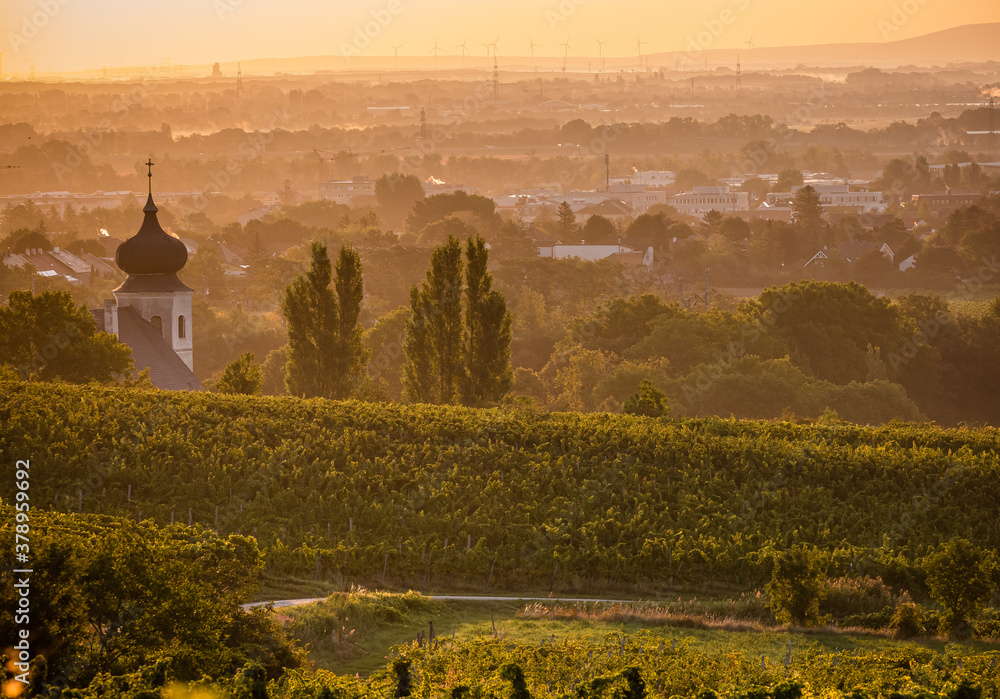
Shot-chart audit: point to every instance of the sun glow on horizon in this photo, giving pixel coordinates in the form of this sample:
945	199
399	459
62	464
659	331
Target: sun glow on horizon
69	36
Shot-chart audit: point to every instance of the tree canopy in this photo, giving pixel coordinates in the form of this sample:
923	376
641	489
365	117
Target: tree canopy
47	337
395	195
438	206
242	377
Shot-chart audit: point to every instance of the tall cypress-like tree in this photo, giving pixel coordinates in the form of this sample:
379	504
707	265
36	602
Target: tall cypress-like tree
434	340
418	373
488	375
353	355
451	355
325	352
310	307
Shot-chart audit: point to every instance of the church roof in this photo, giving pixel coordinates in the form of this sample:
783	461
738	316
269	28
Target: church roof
150	351
151	282
151	250
151	257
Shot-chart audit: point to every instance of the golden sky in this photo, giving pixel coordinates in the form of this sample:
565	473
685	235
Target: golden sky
64	35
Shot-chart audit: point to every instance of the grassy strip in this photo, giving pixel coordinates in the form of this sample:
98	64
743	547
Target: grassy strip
356	632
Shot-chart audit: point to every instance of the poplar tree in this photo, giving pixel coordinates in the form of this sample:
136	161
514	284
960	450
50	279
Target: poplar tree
326	356
353	355
457	351
488	375
310	308
418	373
434	333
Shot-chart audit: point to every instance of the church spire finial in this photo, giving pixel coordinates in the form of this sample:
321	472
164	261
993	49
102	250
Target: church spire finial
150	206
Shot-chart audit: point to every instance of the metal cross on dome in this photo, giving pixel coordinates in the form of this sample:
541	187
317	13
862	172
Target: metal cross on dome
149	164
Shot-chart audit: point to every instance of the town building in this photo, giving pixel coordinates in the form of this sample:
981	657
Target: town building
346	191
593	253
639	197
835	196
612	209
700	200
75	269
647	178
944	204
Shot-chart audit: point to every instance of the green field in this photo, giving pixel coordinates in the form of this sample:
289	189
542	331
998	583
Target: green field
438	497
367	650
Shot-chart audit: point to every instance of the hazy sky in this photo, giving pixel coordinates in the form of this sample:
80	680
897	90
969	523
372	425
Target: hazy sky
66	34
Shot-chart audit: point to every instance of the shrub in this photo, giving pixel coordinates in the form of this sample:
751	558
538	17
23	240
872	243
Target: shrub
241	377
908	620
874	620
401	668
796	587
648	400
788	690
636	685
989	623
513	673
862	595
251	682
965	690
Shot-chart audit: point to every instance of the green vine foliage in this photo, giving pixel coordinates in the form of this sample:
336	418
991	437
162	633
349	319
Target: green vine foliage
438	493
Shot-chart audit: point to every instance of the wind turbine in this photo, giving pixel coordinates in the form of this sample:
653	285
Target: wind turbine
395	51
600	51
494	45
464	49
639	43
436	50
487	47
750	43
531	47
565	46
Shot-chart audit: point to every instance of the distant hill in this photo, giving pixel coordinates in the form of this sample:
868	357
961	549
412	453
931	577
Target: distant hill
975	43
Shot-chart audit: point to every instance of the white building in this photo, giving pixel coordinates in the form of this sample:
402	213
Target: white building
647	178
637	196
346	191
835	196
593	253
700	200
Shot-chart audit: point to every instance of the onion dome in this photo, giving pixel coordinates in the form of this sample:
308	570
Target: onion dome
151	257
151	250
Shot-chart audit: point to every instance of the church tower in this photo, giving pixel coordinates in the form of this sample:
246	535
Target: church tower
151	258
